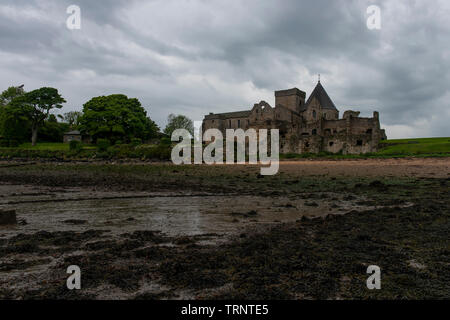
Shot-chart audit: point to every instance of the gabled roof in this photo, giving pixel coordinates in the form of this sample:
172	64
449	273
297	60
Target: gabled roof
322	96
75	132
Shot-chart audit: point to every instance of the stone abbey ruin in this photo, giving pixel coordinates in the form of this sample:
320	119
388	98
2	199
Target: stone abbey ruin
306	127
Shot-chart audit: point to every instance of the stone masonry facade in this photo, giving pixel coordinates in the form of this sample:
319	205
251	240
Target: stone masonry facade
310	126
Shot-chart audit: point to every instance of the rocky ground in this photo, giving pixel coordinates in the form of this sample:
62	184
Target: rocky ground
158	231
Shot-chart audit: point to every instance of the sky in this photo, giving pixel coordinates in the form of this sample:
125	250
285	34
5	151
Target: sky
193	57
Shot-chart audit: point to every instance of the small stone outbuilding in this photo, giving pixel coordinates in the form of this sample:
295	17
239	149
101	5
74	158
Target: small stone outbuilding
74	135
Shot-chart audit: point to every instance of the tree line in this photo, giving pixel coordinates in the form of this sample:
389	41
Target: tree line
26	116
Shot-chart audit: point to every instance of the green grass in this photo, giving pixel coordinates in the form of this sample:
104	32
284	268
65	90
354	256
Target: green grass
418	146
46	150
61	151
51	146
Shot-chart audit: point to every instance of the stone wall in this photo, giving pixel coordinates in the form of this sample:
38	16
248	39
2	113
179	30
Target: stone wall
305	129
293	99
69	137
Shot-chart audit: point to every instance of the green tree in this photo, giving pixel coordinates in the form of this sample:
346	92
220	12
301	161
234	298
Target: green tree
151	129
72	118
52	130
116	117
35	106
178	122
13	125
9	94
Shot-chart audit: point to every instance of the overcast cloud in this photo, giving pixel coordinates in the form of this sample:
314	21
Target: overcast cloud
199	56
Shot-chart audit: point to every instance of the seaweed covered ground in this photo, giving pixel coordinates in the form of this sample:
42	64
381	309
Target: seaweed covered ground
347	215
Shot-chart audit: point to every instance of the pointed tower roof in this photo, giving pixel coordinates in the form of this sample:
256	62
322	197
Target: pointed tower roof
322	96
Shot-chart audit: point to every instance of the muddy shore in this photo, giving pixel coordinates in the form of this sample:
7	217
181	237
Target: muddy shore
159	231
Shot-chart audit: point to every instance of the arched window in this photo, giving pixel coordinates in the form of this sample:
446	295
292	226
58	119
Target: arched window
314	132
314	114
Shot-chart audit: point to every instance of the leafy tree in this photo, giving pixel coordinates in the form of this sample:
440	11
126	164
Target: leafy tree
52	118
36	106
178	122
13	125
72	118
9	94
116	117
151	129
52	130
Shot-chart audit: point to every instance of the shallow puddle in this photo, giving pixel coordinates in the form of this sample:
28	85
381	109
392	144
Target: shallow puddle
46	209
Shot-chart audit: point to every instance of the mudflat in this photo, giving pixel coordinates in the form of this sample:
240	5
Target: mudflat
158	231
423	167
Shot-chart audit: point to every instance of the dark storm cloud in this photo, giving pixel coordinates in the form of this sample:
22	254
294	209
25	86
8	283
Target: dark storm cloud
198	56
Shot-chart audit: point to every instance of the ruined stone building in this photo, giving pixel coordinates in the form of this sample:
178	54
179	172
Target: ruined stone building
306	127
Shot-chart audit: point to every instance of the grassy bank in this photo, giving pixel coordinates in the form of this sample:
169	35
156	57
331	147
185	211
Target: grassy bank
416	146
398	148
49	146
421	147
62	151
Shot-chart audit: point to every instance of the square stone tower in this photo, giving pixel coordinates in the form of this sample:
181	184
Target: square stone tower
293	99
